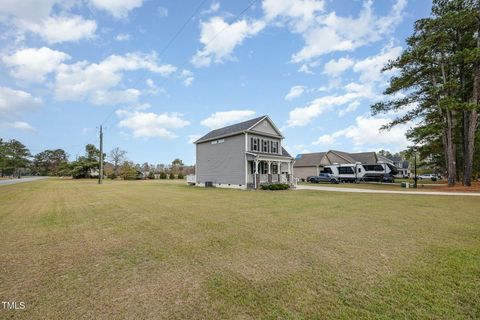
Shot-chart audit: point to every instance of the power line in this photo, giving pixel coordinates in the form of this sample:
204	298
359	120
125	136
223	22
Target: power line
211	40
164	49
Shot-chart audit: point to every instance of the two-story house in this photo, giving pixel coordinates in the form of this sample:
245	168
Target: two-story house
243	155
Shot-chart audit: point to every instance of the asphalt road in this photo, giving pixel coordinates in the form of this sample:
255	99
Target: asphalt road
21	180
355	190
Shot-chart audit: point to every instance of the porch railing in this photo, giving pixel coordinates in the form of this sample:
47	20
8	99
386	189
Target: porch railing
269	178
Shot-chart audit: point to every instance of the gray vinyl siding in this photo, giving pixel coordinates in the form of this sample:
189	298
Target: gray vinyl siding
249	141
265	126
222	162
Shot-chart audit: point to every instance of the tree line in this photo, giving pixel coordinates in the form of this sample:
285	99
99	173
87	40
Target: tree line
16	160
438	88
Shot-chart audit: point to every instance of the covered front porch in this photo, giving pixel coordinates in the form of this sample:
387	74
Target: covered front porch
265	171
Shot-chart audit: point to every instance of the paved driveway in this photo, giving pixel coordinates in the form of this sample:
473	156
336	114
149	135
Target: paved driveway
436	193
21	180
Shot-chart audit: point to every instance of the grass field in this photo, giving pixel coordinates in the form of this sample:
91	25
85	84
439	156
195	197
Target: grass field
154	249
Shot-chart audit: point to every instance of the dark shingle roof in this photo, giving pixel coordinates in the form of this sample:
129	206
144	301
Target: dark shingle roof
308	159
364	157
285	153
230	130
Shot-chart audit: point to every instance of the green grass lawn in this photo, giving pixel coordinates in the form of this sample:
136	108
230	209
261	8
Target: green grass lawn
156	249
378	186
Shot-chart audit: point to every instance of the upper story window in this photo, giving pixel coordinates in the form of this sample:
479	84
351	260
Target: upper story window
265	146
274	146
254	144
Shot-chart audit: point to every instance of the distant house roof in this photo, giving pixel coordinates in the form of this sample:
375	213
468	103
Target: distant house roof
333	156
344	155
230	130
309	159
365	157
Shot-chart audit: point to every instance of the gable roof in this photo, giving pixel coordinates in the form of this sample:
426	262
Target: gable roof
344	155
332	156
285	153
309	159
233	129
365	157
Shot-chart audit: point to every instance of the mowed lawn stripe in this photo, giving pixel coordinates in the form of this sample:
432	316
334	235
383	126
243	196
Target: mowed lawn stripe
160	249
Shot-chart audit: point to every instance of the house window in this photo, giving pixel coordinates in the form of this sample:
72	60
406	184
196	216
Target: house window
221	141
214	142
274	147
254	144
265	144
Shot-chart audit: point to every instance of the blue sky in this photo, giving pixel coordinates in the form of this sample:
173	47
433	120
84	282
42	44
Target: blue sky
312	65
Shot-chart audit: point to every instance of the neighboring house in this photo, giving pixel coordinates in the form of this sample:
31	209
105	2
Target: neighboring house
311	164
402	165
243	155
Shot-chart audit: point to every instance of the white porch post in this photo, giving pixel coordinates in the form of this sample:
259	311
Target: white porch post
279	167
255	174
269	167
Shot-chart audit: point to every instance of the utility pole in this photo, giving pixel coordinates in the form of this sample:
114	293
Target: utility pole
100	175
415	179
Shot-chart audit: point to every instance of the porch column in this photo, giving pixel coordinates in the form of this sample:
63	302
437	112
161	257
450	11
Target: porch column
269	176
255	175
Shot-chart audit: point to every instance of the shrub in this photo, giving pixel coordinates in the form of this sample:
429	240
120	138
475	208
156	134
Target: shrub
163	175
112	176
171	176
275	186
151	175
180	176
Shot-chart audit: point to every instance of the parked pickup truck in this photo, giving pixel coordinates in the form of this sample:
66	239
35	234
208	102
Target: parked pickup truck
323	177
428	176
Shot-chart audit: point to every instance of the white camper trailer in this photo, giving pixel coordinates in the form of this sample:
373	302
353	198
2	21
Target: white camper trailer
360	172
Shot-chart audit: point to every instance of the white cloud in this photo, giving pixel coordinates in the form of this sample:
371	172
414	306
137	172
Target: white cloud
21	125
337	67
187	77
84	80
113	97
299	14
214	7
302	116
366	134
122	37
295	91
334	33
162	12
224	118
149	124
32	65
62	28
13	103
350	108
26	10
118	8
35	16
371	67
220	39
326	139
